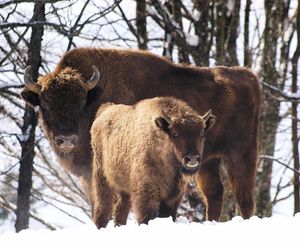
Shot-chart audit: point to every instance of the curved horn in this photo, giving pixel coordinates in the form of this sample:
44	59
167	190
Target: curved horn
207	115
29	83
166	117
92	83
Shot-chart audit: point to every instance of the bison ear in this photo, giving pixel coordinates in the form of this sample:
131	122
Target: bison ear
210	123
93	95
30	97
162	123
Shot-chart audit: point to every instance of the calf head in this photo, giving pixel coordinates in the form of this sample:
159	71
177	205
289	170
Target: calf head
187	136
63	99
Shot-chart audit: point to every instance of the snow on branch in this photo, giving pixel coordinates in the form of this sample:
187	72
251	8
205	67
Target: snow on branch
6	3
293	97
269	157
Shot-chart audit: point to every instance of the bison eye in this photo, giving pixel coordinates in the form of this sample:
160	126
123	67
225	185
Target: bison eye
175	135
44	108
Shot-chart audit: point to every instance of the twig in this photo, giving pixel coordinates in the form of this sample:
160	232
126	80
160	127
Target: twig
269	157
281	93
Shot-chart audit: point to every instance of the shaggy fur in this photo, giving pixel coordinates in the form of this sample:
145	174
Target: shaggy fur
137	157
128	76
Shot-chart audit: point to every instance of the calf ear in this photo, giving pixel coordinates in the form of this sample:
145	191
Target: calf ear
162	123
30	97
210	123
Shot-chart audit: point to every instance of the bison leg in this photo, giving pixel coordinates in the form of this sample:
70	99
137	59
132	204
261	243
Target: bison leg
121	209
210	186
242	174
86	183
103	196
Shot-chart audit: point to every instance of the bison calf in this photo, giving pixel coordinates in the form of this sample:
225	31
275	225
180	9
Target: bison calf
142	154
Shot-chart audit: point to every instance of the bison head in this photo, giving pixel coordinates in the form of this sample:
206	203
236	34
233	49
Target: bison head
187	136
63	101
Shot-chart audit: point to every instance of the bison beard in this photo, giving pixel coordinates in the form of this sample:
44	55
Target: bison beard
128	76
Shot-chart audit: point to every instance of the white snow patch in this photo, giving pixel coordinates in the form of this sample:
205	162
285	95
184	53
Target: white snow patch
150	10
276	233
192	40
294	95
196	15
230	6
25	137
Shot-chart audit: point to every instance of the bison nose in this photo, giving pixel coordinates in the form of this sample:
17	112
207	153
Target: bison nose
193	157
66	142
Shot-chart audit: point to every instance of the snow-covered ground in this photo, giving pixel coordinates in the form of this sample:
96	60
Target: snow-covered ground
277	232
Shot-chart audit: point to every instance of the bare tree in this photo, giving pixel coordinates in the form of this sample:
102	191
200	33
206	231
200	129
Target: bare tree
28	129
295	136
276	17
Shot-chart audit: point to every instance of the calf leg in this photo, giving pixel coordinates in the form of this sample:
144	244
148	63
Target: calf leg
121	209
102	201
210	186
145	203
169	207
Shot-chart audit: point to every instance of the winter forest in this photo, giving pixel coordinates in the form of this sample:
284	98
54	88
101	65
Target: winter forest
264	36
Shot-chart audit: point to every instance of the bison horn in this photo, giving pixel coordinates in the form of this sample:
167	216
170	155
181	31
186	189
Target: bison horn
29	83
166	117
92	83
207	115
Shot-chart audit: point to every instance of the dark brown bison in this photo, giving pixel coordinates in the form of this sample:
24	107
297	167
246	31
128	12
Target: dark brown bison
70	96
141	154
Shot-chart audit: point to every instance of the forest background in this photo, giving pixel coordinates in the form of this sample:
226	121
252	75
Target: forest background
262	35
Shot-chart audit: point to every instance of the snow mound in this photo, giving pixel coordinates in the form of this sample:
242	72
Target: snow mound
269	233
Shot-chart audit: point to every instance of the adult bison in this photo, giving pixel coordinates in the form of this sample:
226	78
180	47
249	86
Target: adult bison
86	77
144	154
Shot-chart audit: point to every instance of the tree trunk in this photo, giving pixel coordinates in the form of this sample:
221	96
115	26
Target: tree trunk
270	106
204	30
28	128
247	53
295	138
227	23
183	54
220	31
141	24
232	18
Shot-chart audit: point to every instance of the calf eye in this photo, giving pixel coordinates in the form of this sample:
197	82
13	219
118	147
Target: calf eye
175	135
202	133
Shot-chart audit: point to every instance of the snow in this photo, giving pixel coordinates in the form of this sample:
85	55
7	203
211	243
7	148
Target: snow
192	40
294	95
230	6
273	233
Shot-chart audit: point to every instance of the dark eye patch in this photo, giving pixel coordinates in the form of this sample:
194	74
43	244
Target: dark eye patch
175	135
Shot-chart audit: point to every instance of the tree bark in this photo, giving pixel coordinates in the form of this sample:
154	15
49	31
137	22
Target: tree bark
220	32
247	53
227	23
141	24
270	106
295	138
29	125
183	54
204	30
231	31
